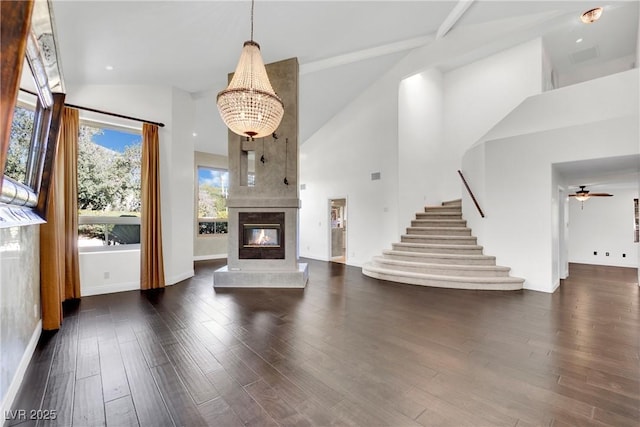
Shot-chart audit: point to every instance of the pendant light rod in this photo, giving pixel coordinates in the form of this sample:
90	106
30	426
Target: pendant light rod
252	6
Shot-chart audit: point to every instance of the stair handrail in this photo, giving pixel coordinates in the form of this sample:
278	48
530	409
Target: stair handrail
464	181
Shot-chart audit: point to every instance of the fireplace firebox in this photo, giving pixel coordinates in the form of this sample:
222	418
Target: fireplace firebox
261	235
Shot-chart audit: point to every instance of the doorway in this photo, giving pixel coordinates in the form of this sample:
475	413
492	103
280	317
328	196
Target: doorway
338	237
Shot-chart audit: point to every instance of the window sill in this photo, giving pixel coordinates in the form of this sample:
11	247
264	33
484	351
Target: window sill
108	249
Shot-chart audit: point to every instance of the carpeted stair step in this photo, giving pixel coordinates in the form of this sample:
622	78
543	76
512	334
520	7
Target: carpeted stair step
432	248
440	231
441	209
429	258
441	269
443	281
438	215
439	223
456	202
448	240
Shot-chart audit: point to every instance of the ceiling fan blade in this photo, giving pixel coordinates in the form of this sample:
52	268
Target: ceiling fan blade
600	194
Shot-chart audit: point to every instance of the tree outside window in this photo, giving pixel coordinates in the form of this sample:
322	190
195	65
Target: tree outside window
109	165
213	186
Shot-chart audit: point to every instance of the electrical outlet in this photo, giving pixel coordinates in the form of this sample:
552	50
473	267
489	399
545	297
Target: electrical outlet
624	255
595	252
606	254
107	274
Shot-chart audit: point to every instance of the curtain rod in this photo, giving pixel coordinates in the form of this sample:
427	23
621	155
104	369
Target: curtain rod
93	110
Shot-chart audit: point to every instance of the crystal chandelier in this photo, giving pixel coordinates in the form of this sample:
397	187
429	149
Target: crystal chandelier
249	106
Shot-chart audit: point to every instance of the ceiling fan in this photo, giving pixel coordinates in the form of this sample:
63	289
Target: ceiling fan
583	195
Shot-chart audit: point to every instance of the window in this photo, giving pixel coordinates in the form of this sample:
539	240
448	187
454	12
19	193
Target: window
25	189
29	156
109	165
213	187
19	151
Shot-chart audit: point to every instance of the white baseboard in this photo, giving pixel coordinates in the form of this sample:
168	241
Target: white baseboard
209	257
18	377
179	277
317	258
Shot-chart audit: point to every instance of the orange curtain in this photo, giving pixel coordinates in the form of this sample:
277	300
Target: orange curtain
151	260
59	266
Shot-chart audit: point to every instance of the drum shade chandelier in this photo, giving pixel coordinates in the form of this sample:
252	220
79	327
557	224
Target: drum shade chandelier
249	106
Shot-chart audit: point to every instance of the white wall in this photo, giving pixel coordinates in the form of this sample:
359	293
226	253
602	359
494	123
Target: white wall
442	115
179	160
20	323
175	109
337	162
109	272
590	120
594	71
605	224
421	143
209	127
479	95
413	126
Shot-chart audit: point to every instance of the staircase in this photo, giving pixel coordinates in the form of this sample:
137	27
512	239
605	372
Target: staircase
438	250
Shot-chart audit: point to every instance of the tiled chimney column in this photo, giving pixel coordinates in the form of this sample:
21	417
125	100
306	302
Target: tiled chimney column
269	194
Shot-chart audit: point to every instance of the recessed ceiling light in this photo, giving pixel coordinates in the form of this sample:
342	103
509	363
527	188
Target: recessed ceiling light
194	134
591	15
579	40
109	67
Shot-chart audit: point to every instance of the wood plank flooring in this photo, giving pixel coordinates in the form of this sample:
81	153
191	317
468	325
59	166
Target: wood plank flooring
347	350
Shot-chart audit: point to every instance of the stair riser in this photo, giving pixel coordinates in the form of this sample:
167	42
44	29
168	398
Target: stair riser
489	286
444	271
434	259
438	223
439	231
458	250
415	238
436	216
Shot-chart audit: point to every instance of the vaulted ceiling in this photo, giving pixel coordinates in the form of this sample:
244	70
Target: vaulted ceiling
342	46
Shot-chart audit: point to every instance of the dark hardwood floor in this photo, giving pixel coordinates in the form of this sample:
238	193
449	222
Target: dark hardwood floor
347	350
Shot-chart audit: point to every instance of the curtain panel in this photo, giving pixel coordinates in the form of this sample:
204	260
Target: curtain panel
151	258
59	262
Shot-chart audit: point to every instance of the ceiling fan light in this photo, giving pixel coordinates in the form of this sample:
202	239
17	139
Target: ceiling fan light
582	197
591	15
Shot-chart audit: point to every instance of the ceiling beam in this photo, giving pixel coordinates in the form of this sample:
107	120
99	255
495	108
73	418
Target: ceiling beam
453	17
360	55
